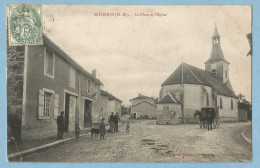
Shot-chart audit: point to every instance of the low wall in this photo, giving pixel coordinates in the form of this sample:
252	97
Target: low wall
228	119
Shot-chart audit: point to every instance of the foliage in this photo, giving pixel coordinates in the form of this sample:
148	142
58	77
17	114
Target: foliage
125	109
245	105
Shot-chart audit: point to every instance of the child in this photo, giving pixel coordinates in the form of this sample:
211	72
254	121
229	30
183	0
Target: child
77	132
127	127
102	129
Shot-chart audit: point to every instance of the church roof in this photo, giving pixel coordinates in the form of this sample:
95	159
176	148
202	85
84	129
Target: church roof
169	98
216	54
194	75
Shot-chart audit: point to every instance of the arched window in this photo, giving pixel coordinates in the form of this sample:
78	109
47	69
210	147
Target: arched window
207	99
220	103
231	104
226	73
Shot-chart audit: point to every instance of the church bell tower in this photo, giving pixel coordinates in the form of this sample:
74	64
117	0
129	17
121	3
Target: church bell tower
217	63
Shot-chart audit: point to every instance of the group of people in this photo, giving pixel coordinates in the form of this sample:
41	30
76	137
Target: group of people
113	121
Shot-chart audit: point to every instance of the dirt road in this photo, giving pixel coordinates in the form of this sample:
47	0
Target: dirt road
148	142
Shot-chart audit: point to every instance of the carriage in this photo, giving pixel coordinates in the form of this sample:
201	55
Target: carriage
208	115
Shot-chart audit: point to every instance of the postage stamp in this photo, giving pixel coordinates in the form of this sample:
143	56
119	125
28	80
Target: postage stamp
24	25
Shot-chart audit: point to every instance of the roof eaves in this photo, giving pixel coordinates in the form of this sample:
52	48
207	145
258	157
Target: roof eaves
145	102
48	42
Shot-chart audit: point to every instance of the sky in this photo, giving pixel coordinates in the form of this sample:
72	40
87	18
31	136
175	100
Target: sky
136	54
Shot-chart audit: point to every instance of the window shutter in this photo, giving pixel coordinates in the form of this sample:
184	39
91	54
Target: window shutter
40	104
56	106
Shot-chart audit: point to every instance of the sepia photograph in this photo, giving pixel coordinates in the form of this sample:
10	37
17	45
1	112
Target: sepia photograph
129	83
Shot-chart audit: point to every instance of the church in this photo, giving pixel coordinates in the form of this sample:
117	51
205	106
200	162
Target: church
190	88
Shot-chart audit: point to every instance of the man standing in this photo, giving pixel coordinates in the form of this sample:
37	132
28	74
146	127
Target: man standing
116	118
111	122
60	124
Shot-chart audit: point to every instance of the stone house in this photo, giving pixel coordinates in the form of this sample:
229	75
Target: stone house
143	106
109	104
169	110
114	105
42	81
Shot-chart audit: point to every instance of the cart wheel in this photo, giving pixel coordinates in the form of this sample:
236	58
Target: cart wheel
214	125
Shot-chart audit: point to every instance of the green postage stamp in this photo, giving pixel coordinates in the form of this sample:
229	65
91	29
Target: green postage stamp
24	25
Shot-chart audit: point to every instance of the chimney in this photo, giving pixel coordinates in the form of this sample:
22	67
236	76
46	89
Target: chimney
94	73
139	94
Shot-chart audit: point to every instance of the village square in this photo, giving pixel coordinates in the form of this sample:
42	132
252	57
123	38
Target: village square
58	111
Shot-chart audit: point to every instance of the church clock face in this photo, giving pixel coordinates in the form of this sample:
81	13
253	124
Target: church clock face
213	66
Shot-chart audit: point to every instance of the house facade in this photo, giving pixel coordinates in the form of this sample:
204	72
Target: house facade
104	106
169	110
143	106
195	88
109	104
114	105
50	82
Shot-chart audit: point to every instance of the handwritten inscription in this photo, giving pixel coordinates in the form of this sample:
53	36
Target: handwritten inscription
130	14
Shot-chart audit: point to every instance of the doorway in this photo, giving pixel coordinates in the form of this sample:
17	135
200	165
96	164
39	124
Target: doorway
67	100
87	113
70	110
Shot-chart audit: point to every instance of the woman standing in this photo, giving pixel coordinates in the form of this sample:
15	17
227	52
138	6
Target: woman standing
102	129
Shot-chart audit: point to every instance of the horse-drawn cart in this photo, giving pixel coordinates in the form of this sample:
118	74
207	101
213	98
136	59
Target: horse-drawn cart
208	117
216	122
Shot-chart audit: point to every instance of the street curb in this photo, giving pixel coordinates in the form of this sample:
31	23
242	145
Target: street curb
11	156
245	138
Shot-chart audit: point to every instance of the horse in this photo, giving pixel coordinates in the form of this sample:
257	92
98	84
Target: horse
210	117
207	115
202	120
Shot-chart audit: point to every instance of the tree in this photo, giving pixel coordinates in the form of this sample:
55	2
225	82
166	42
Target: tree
124	109
245	105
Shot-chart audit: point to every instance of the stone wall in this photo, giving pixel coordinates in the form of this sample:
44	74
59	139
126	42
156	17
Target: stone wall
15	68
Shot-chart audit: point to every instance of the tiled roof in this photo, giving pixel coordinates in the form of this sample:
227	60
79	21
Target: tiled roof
169	98
105	93
141	97
216	54
144	102
249	38
194	75
110	96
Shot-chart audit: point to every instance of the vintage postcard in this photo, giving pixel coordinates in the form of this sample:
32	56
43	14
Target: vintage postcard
129	83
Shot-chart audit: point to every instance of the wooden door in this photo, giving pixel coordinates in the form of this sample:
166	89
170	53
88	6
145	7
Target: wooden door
72	112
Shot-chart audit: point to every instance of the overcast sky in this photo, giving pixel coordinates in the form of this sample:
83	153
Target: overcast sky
136	54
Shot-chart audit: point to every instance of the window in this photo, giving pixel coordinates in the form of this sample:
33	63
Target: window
88	85
49	64
165	108
226	73
207	99
102	113
47	104
72	79
231	104
220	104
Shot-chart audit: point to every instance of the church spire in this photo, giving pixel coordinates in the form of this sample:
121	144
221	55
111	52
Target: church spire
216	51
216	34
217	63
